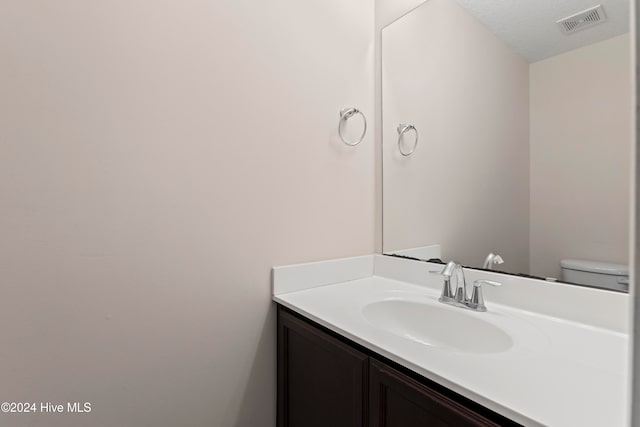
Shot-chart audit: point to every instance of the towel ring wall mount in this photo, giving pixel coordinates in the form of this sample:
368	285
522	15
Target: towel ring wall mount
346	114
403	129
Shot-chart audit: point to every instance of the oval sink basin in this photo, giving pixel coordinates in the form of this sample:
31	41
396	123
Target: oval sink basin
431	325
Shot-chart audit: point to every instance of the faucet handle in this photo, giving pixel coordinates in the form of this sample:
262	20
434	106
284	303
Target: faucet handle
478	283
477	301
447	294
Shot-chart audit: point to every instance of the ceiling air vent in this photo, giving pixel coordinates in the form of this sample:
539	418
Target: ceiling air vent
581	20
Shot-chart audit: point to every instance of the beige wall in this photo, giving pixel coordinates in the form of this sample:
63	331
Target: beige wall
466	187
581	110
156	159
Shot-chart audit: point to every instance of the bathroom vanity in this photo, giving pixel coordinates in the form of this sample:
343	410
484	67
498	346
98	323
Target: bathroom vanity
365	342
327	380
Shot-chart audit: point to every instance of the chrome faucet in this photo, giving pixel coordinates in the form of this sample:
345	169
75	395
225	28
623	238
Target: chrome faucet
492	259
459	297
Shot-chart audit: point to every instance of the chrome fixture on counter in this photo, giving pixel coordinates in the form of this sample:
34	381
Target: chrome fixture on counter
459	297
491	260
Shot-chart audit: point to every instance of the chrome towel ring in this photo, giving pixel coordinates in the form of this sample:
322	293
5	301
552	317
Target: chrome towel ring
346	114
402	129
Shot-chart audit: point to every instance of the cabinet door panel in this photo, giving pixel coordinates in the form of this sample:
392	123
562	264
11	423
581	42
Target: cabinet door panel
397	400
322	382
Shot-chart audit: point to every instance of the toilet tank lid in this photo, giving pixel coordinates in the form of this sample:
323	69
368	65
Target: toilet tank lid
595	267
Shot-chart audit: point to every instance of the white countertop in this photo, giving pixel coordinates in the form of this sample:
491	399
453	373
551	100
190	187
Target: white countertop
559	372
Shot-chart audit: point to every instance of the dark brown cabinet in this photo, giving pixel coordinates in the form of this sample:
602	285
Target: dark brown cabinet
397	400
325	380
322	382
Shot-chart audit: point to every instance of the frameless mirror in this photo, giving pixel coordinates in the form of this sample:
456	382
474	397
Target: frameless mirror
507	130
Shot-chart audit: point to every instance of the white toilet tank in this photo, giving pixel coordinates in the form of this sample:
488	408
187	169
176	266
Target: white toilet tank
595	273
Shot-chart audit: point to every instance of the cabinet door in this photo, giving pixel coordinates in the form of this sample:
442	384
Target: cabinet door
322	382
397	400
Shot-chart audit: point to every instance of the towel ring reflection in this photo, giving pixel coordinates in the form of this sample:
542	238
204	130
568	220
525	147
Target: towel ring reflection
402	129
346	114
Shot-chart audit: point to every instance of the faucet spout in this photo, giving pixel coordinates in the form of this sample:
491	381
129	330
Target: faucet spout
491	260
461	286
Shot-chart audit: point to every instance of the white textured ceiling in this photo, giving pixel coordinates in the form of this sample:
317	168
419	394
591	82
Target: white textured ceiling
529	26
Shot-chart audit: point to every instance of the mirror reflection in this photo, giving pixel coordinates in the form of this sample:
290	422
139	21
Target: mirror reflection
517	117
